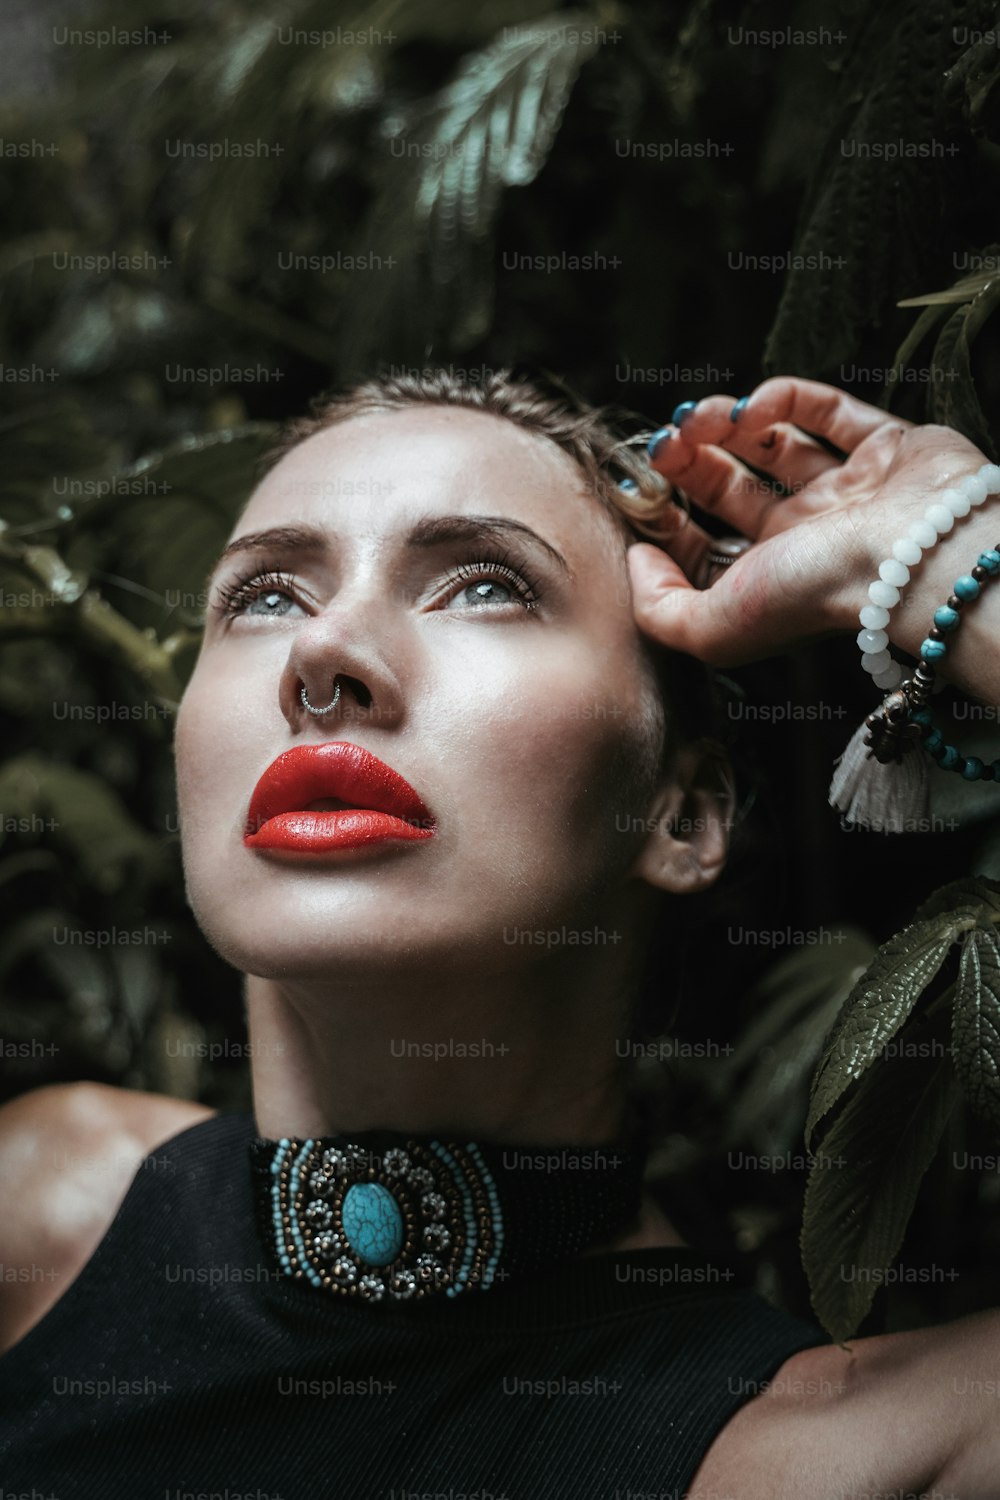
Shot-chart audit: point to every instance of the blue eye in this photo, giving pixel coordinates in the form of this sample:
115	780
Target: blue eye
257	594
269	603
485	592
502	585
491	583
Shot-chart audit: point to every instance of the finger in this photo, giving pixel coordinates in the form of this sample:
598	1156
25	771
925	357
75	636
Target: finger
743	617
830	413
791	458
717	483
685	548
705	623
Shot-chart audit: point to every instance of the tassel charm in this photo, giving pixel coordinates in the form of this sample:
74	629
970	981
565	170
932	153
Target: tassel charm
881	780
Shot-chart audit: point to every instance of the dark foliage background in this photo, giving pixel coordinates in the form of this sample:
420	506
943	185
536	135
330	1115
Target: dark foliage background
669	146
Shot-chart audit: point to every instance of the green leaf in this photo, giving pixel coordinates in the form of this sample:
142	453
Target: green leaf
976	1023
304	92
878	1006
953	401
491	128
864	1183
160	524
964	290
974	896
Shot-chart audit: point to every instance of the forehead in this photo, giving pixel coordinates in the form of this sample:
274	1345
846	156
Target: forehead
377	472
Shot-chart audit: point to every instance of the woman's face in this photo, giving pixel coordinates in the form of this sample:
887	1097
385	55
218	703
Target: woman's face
532	734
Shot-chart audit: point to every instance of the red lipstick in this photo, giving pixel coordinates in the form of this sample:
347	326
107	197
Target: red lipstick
371	802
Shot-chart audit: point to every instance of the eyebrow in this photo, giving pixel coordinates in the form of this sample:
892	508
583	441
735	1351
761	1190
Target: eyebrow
436	531
431	531
278	538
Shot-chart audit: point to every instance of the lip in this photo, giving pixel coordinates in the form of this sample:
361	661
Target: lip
380	805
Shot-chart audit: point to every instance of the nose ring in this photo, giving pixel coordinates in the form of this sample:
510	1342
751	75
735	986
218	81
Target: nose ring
318	712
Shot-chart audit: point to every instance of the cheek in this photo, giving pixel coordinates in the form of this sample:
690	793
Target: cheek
190	767
214	744
553	757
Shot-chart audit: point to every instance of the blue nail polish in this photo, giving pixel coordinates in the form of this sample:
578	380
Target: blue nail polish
662	436
680	412
737	411
627	484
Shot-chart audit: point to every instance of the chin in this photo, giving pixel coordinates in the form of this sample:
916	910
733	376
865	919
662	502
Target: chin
315	932
269	950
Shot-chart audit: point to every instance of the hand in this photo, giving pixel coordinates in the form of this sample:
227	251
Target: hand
815	550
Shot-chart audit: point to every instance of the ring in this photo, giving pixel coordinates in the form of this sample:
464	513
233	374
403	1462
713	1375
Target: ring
723	552
320	711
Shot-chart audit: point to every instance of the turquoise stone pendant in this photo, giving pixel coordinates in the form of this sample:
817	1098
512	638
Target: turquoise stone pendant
398	1223
373	1223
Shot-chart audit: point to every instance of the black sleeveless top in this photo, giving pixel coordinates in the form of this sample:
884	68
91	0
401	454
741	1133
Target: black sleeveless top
179	1364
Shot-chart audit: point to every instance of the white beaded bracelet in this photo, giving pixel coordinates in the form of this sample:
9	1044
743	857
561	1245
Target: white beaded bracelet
894	572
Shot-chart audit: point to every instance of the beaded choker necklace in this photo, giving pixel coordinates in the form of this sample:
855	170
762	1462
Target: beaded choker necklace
384	1215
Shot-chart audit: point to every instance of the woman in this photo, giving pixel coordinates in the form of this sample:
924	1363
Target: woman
430	694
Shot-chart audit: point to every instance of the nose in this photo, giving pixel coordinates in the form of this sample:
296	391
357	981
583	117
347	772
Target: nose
335	665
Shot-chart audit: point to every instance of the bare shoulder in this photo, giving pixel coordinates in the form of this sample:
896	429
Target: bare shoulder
67	1156
897	1413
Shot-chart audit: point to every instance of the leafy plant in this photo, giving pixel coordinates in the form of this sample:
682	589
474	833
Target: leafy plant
894	1066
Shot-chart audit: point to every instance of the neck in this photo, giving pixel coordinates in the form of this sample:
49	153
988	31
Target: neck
524	1057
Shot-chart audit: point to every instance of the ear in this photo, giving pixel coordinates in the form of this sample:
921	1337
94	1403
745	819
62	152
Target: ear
690	821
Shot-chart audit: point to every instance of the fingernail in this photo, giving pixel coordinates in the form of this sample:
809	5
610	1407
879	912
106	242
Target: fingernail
682	411
737	411
663	435
627	484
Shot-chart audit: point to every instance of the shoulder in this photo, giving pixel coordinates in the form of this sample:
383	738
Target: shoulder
68	1154
819	1427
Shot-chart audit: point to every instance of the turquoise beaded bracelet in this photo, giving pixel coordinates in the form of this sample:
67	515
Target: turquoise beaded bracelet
947	619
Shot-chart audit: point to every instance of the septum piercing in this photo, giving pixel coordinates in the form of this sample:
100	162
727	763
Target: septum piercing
318	712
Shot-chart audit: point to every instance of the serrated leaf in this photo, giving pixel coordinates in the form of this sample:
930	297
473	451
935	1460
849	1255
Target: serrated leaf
885	995
976	1023
878	1006
974	896
863	1185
